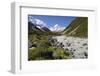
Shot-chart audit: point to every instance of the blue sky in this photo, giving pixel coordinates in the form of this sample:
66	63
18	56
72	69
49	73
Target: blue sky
62	21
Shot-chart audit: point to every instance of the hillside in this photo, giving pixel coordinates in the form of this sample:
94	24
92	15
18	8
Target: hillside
32	29
35	29
78	27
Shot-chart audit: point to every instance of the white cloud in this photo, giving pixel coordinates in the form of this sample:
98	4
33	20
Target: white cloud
57	28
37	21
40	22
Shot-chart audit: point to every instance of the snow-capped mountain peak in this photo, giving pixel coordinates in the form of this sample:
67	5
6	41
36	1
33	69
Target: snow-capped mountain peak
57	28
39	24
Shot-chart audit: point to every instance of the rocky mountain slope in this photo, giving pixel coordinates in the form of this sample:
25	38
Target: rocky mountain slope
36	29
78	27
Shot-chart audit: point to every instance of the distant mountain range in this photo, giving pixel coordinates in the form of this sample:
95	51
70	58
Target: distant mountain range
78	27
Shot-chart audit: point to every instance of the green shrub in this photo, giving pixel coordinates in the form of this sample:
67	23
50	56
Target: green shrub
59	53
40	53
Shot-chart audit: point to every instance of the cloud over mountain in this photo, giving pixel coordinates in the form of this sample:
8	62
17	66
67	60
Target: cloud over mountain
38	22
41	24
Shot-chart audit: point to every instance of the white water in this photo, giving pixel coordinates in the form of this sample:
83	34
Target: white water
79	44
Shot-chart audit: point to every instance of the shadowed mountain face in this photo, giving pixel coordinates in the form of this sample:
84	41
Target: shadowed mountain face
33	29
45	29
78	27
36	29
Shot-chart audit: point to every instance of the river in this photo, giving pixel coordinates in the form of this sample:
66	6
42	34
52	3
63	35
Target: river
78	46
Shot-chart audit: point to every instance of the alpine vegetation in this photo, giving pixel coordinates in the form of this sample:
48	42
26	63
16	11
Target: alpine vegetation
57	37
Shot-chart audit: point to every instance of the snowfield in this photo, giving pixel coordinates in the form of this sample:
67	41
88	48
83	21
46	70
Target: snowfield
77	46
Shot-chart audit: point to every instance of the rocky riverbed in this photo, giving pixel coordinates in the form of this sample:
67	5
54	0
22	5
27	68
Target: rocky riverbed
78	47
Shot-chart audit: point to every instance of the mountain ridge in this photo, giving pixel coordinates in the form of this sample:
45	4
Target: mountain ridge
78	27
35	29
